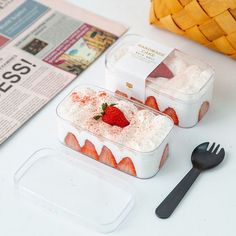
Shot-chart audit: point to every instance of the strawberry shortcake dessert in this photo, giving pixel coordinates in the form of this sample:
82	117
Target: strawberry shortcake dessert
114	131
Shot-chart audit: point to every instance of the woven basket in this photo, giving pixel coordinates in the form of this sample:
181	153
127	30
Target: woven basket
209	22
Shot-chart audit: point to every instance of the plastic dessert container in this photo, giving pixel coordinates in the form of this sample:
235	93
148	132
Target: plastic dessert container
161	77
139	149
74	189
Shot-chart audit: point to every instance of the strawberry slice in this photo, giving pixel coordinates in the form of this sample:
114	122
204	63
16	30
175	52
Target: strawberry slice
72	142
161	71
126	165
119	93
164	156
171	112
89	150
107	157
203	110
151	102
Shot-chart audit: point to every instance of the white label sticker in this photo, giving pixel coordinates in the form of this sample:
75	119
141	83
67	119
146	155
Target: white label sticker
135	66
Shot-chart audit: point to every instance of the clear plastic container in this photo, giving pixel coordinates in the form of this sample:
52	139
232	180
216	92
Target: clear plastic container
104	146
180	86
72	188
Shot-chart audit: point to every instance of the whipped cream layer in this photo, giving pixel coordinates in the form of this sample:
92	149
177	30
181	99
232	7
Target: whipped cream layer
189	77
145	132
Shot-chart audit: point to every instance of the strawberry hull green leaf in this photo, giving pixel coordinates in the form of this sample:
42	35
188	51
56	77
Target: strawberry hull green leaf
97	117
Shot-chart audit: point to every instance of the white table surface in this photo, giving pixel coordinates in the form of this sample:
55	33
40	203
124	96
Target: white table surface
208	209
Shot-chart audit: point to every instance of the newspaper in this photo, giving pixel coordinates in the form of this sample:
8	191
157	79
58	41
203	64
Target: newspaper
44	45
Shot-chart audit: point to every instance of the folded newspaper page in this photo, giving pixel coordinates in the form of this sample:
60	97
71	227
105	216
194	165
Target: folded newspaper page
43	47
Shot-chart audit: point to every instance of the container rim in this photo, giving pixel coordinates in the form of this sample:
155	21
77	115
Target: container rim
120	98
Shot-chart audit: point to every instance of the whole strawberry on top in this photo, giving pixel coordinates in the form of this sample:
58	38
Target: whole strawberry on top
112	116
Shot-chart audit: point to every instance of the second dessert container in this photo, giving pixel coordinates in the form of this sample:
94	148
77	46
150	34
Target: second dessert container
141	164
163	78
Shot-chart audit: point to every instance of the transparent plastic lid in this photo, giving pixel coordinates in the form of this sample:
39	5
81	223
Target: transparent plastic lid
179	75
72	187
